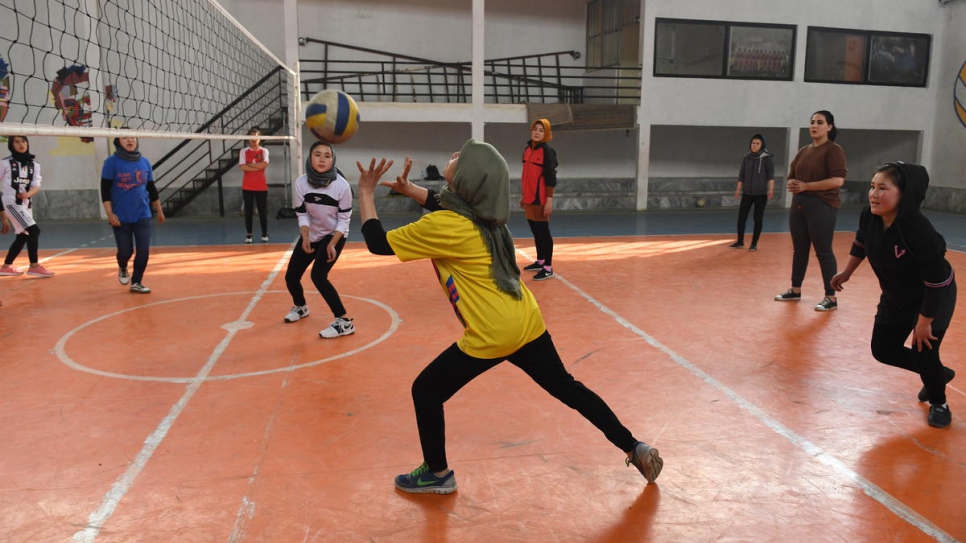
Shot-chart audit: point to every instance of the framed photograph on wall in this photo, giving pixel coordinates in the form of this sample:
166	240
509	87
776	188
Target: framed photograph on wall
899	59
761	52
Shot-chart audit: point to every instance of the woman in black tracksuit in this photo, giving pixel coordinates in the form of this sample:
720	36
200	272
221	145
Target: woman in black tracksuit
918	284
756	185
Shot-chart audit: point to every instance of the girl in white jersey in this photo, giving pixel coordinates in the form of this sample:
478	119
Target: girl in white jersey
323	204
20	176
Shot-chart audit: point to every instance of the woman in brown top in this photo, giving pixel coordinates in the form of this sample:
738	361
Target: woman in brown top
814	178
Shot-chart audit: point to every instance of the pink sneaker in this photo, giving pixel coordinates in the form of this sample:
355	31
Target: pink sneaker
39	271
9	270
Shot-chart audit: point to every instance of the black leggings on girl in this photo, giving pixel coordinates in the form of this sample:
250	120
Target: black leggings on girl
260	199
888	345
29	237
453	369
747	201
543	241
300	262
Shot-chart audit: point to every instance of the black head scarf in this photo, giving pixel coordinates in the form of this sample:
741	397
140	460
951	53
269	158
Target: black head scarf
22	158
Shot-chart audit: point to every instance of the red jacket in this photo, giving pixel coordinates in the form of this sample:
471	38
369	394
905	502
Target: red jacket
539	173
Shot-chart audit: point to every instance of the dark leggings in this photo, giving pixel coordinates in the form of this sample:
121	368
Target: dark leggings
543	241
747	200
130	236
260	198
888	344
453	369
29	237
320	273
812	224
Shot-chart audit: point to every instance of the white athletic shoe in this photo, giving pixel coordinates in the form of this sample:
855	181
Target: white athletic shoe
297	313
339	327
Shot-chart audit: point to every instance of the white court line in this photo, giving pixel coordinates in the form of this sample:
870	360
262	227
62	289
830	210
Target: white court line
111	500
868	487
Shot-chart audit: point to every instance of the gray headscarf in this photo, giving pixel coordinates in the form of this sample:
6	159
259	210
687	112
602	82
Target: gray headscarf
320	179
480	191
124	154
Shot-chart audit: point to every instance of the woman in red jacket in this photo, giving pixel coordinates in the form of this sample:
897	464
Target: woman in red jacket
539	178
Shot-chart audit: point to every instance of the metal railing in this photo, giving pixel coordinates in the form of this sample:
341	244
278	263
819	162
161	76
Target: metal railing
194	164
372	75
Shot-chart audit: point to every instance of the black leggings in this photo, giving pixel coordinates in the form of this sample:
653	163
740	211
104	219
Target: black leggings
29	237
812	224
260	198
320	273
888	344
453	369
747	200
543	241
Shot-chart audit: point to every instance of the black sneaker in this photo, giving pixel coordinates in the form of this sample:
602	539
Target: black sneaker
736	245
543	274
924	395
122	276
939	416
826	305
423	481
788	296
534	266
753	248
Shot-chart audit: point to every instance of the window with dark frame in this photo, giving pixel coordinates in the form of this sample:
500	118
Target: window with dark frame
718	49
613	33
865	57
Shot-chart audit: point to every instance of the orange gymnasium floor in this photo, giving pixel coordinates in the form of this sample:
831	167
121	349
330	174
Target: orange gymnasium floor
194	414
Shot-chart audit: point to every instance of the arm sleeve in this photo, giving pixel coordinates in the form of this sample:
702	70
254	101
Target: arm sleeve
741	172
152	192
265	154
835	162
107	180
929	249
35	182
241	158
550	167
345	210
858	244
4	177
432	203
299	204
769	167
375	236
106	185
791	167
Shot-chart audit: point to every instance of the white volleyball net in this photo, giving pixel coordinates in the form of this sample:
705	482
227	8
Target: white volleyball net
164	68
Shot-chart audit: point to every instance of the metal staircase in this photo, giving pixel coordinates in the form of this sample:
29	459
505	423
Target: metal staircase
194	165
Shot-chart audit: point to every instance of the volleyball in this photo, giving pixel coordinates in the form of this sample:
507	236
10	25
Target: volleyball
332	116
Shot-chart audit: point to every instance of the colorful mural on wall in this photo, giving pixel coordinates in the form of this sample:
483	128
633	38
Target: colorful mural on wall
69	90
5	87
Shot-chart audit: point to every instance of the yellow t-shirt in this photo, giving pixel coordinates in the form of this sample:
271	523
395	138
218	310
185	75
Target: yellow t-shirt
496	324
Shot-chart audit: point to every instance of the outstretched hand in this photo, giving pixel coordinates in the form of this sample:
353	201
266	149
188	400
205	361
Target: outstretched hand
401	184
369	177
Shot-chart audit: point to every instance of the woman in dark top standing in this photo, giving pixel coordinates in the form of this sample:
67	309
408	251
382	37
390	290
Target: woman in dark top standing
756	185
814	177
918	284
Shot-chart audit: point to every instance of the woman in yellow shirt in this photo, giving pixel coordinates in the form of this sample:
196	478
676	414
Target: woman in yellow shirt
471	248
